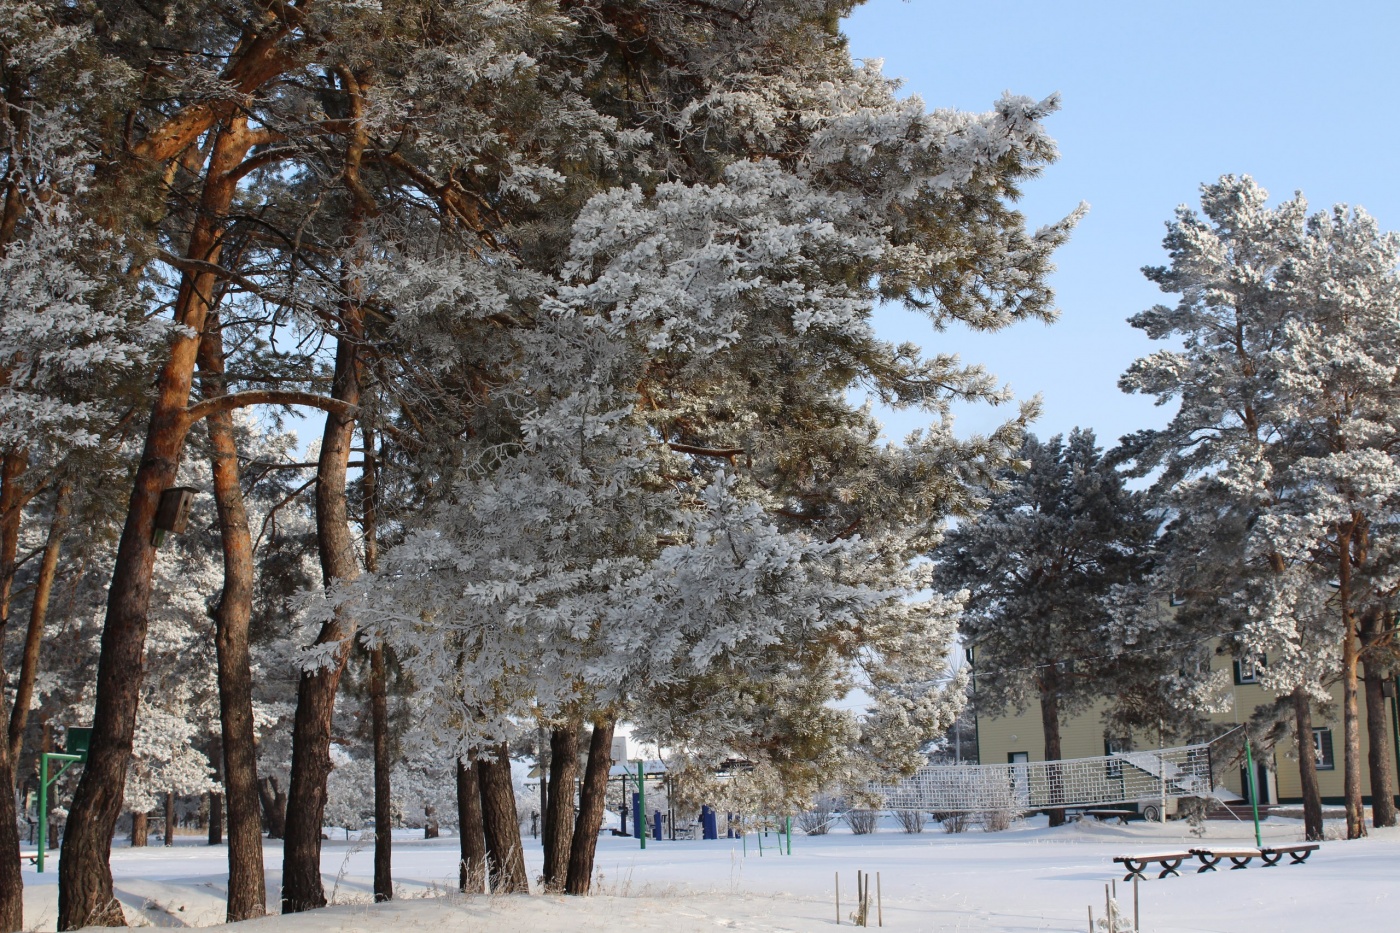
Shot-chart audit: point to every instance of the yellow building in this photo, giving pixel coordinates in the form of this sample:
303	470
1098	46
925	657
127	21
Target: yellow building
1012	738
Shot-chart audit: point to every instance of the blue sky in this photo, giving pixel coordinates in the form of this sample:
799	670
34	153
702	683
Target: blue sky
1157	98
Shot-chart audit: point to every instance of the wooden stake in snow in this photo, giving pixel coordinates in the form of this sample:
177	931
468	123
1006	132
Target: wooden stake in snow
879	903
838	898
1137	923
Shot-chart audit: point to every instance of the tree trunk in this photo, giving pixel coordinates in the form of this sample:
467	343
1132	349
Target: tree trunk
1307	766
559	815
505	856
378	689
170	817
1380	757
84	875
1050	724
1375	641
542	763
311	732
1356	813
216	818
472	870
591	804
274	807
140	830
11	880
38	612
247	889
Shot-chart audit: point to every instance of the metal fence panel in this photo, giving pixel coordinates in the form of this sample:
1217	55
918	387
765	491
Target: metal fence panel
1119	778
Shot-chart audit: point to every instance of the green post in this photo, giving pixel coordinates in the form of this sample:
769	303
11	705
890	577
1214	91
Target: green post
44	782
789	834
1253	790
641	803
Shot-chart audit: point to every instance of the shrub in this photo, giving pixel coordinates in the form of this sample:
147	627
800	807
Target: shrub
862	822
817	821
997	819
912	821
954	822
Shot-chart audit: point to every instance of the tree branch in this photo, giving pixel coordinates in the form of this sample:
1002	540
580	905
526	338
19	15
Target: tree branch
724	453
268	397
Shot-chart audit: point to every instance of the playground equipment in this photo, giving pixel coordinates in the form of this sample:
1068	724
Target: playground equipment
75	751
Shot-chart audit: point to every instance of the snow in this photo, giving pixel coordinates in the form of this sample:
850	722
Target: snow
1028	878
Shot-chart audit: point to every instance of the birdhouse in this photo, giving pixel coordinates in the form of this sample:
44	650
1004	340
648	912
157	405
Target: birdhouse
78	740
173	513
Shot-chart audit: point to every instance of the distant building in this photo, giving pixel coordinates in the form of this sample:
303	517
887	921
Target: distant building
1013	738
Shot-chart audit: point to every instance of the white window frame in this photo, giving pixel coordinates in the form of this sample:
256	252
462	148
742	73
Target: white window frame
1330	763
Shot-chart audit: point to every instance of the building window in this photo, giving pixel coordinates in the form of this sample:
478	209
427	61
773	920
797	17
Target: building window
1247	670
1114	769
1322	748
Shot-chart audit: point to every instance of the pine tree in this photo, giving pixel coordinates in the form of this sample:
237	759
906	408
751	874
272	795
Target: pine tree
1038	568
1283	438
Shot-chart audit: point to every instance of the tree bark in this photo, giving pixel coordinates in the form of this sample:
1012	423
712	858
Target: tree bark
11	880
170	817
472	870
1380	754
84	875
1307	766
216	818
1380	757
1355	808
38	613
311	732
559	815
591	805
140	830
378	689
1050	725
247	889
274	807
505	856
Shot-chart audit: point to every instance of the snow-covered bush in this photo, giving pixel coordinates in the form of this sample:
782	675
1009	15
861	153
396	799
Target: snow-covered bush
861	821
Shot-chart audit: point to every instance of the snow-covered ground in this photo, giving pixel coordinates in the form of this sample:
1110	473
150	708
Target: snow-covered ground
1029	878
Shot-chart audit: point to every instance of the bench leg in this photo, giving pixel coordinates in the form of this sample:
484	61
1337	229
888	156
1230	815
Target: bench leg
1169	868
1207	863
1299	857
1270	859
1134	870
1240	862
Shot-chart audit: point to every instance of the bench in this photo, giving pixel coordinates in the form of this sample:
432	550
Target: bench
1269	855
1121	816
1169	861
1212	857
1298	854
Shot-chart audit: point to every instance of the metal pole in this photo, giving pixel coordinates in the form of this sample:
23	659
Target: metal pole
1253	790
641	803
1162	766
789	834
43	808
